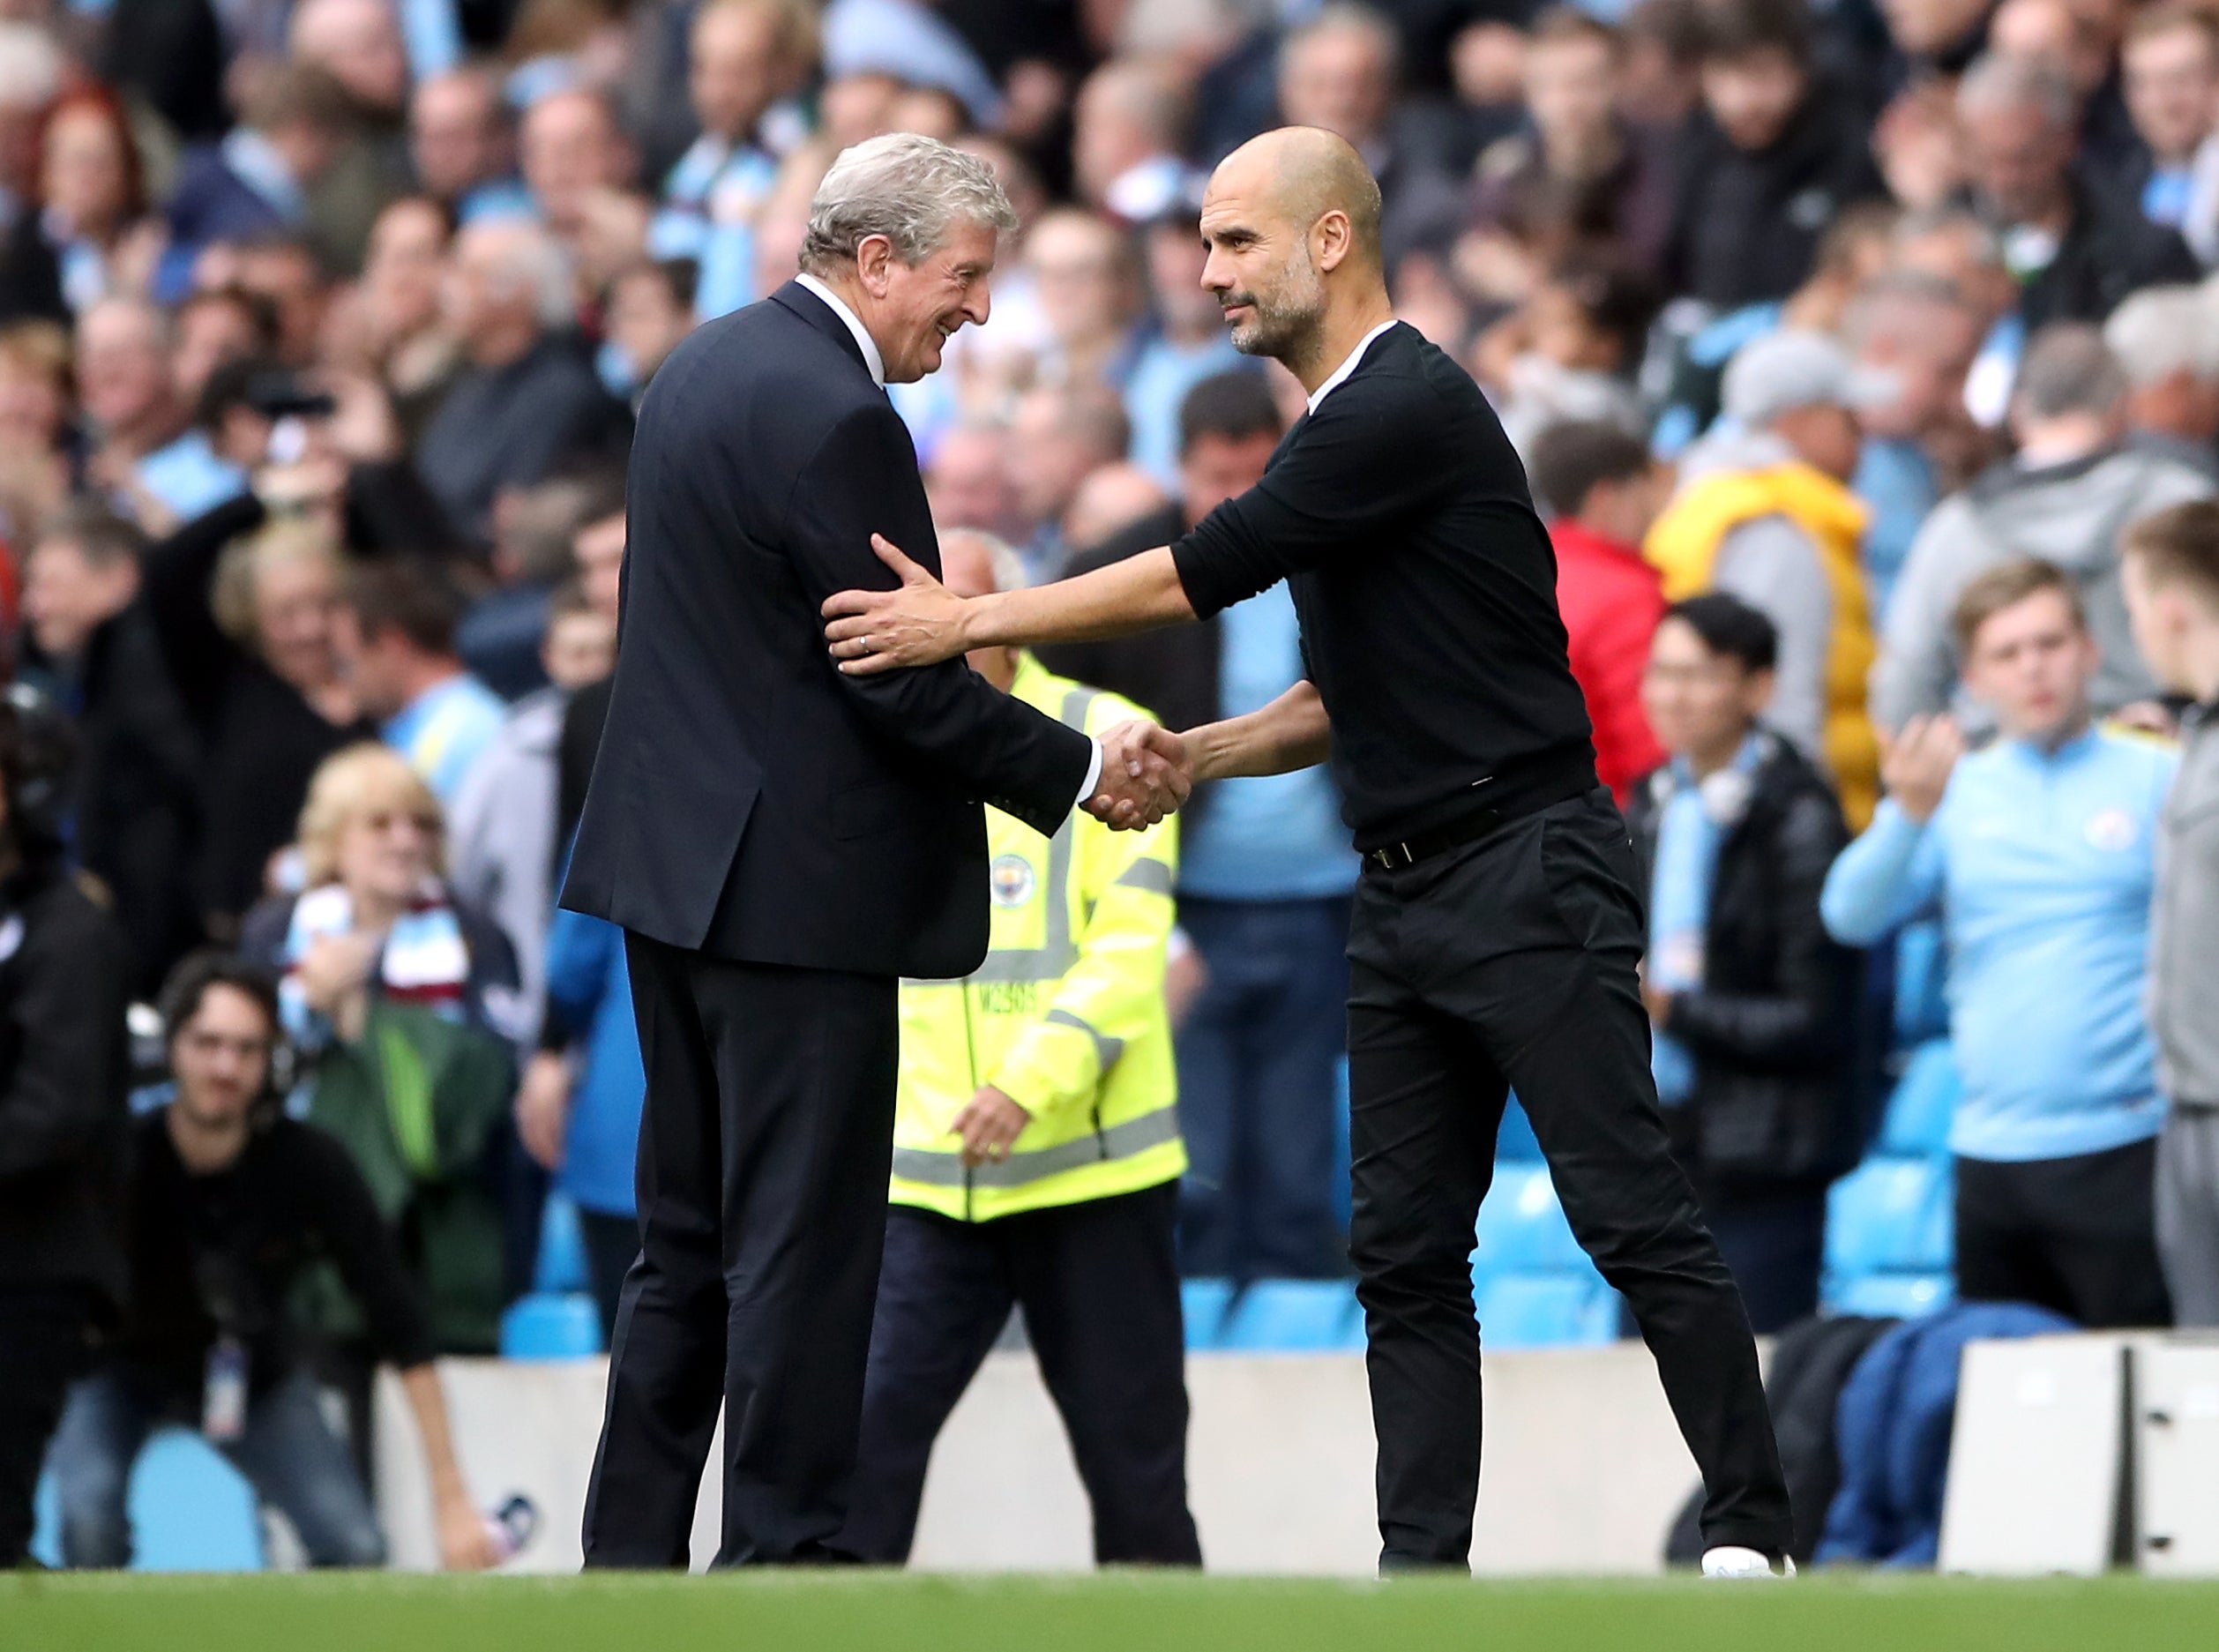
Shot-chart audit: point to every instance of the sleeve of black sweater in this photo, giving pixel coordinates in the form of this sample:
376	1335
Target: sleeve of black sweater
355	1238
946	716
1367	459
64	1001
179	571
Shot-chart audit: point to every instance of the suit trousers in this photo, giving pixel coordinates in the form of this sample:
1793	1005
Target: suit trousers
1100	1290
764	1149
1511	962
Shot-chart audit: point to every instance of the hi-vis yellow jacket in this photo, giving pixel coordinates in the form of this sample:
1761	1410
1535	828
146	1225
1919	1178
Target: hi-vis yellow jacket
1684	544
1065	1016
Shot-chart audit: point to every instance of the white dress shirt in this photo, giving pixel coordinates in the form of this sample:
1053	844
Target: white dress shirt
877	363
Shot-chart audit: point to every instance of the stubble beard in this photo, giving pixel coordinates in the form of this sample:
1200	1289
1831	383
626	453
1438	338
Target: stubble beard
1288	325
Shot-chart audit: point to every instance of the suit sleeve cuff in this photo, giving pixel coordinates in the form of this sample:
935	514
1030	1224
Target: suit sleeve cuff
1093	774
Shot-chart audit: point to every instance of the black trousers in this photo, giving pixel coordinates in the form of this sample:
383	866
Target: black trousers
764	1154
1511	962
2077	1236
1099	1287
45	1345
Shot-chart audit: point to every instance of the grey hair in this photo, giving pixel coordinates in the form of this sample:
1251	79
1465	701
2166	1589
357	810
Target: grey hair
1008	566
2068	371
913	190
1995	81
1981	239
2162	331
532	259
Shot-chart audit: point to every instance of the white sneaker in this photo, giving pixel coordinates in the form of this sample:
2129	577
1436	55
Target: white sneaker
1740	1564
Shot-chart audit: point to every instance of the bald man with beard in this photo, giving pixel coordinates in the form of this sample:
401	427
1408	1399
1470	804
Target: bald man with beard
1497	928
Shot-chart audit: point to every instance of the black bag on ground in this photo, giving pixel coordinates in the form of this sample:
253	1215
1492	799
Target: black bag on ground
1810	1363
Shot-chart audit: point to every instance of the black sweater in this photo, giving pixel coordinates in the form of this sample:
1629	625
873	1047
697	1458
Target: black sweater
1400	518
64	1075
222	1253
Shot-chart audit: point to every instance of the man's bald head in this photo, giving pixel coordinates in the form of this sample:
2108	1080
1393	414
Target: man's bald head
1302	173
1290	223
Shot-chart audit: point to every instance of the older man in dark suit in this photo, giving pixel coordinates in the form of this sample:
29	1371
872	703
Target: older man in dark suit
781	843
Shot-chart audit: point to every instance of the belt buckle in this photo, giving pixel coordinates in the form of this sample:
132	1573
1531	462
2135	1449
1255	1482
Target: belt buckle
1387	856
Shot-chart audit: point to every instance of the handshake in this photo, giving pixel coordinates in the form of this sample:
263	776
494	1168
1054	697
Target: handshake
1145	774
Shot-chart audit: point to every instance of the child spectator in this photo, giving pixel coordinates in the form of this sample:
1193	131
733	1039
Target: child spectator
2038	853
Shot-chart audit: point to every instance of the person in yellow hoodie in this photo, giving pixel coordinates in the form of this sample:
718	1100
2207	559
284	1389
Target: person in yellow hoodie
1763	511
1036	1161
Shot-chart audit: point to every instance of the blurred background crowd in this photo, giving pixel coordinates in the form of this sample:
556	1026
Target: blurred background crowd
1844	343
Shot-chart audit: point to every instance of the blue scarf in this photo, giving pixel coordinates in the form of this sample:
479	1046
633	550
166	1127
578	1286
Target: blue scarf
1693	822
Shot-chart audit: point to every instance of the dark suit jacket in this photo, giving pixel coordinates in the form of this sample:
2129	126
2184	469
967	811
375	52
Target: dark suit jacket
748	801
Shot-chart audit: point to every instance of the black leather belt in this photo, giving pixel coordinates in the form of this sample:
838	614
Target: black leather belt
1456	834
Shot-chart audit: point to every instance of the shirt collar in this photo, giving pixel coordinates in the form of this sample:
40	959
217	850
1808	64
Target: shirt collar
864	342
1354	360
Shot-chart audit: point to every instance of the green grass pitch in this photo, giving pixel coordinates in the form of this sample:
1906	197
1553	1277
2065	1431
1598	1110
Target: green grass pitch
816	1612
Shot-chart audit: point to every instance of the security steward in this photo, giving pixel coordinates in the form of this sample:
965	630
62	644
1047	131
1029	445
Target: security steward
1036	1160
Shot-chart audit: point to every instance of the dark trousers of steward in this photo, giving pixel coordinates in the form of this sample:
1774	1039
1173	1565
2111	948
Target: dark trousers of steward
1099	1285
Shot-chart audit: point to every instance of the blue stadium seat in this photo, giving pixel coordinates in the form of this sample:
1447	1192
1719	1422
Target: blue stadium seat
1892	1296
1546	1310
548	1326
1923	1101
1202	1303
561	1259
1890	1216
1514	1142
191	1511
1293	1316
1521	1227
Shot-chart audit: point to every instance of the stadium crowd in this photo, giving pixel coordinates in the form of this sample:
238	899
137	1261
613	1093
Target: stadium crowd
1863	362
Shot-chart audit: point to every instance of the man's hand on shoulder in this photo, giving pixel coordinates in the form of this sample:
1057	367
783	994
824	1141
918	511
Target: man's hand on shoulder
920	622
1146	773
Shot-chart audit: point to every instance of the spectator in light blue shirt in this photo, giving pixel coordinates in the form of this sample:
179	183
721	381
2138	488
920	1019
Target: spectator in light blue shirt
2037	852
396	633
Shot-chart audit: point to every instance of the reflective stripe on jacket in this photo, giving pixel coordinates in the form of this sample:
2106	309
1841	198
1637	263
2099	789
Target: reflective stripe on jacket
1066	1015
